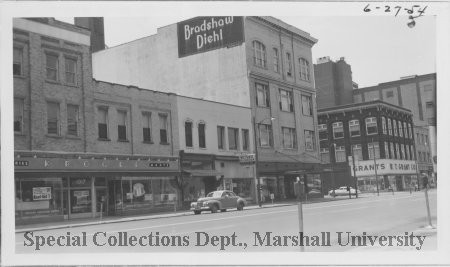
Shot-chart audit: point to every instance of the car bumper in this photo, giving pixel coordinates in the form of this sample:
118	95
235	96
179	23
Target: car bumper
200	208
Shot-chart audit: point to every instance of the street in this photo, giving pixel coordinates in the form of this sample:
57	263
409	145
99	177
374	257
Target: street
268	229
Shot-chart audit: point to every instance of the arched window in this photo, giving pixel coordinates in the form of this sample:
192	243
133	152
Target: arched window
259	54
304	69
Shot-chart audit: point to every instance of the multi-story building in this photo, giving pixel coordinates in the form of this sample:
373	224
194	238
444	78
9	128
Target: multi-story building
379	136
417	93
259	63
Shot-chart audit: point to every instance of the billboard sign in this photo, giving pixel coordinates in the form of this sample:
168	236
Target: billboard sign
203	34
385	167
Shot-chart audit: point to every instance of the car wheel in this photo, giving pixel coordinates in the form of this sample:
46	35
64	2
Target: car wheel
214	208
240	206
223	210
197	212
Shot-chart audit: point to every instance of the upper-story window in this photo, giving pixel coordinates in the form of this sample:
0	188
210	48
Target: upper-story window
121	125
72	120
18	115
276	60
400	129
188	133
259	54
371	125
307	106
413	155
265	135
357	152
163	128
289	63
51	67
53	118
398	151
339	154
392	150
389	94
310	140
373	149
354	128
102	122
245	140
407	152
325	155
386	150
383	125
304	69
233	138
394	126
410	131
201	135
289	137
338	130
71	70
405	128
323	132
147	127
389	126
286	100
221	137
17	61
262	95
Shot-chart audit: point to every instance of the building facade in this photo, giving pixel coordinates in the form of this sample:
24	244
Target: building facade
260	63
379	137
417	93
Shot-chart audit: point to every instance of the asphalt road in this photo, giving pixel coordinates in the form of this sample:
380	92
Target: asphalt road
269	229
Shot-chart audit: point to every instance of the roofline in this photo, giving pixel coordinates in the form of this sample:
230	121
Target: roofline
356	106
211	101
396	82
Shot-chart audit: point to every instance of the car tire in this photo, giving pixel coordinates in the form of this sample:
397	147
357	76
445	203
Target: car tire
214	208
223	210
240	206
197	212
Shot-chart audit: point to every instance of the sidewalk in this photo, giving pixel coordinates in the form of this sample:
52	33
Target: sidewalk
118	219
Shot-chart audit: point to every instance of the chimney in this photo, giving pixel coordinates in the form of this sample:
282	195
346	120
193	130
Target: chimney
95	25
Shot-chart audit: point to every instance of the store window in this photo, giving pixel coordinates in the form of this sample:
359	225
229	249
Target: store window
304	69
80	195
354	128
323	132
245	140
51	67
163	128
357	152
276	60
122	125
310	142
262	95
286	100
259	54
18	115
338	130
147	127
221	137
188	133
289	137
53	118
102	122
373	149
371	126
265	135
233	138
71	70
339	154
72	120
307	106
325	155
17	61
201	135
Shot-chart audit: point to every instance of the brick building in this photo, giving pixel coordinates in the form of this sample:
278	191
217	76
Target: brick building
375	134
260	63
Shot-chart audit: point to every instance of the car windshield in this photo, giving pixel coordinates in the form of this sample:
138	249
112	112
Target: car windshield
215	194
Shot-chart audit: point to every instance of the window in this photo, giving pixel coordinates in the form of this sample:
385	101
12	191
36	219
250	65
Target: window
265	135
201	135
386	150
323	132
389	126
276	60
245	140
339	154
53	118
233	138
325	155
188	133
354	128
102	123
72	120
307	105
18	115
371	126
405	128
357	152
407	152
310	142
394	125
286	101
163	128
389	94
289	64
146	127
221	137
71	70
383	125
17	61
410	131
338	130
259	54
393	156
262	95
121	125
400	129
51	67
402	151
289	137
418	138
398	151
413	155
304	69
373	148
428	158
425	139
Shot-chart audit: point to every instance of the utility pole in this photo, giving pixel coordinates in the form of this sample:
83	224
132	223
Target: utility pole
375	167
297	188
354	172
258	183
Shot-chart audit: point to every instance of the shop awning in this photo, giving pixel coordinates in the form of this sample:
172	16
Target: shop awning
203	173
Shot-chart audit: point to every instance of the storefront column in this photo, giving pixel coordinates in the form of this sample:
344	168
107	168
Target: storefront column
94	198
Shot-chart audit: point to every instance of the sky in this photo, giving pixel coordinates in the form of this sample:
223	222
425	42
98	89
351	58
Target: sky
378	48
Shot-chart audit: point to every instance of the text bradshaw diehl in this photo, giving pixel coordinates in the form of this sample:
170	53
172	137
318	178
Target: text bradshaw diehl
221	242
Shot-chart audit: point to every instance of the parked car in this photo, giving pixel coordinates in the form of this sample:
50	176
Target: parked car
218	200
342	191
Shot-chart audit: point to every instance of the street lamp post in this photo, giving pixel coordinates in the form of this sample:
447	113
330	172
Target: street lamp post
333	168
354	172
375	167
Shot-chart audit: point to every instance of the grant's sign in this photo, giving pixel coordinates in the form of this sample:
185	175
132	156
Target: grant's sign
385	167
202	34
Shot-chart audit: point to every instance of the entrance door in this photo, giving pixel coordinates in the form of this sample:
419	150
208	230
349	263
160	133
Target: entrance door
66	207
101	197
210	184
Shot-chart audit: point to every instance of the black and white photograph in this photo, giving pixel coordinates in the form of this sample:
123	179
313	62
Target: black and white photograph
224	133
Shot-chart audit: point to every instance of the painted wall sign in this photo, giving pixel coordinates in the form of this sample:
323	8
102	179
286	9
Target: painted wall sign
203	34
42	193
385	167
247	159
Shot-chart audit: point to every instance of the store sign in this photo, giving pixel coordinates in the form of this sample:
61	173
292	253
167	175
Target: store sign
203	34
42	193
385	167
247	159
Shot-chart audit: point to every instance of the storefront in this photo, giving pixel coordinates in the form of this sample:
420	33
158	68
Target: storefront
64	187
237	176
